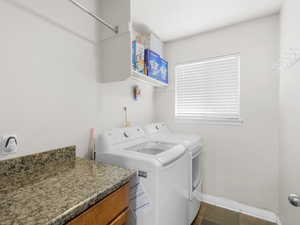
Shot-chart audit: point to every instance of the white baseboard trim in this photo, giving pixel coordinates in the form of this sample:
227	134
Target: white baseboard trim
239	207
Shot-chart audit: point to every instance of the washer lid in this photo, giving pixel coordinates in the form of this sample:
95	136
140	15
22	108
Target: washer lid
167	158
190	141
165	153
160	131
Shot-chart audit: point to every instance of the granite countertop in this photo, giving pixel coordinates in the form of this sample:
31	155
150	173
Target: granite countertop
53	193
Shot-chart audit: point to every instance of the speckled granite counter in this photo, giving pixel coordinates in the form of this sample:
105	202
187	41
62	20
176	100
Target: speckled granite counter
54	191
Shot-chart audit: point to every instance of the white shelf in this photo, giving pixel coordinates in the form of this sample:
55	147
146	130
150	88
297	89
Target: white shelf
146	79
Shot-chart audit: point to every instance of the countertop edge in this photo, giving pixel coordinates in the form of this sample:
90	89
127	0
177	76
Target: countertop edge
78	209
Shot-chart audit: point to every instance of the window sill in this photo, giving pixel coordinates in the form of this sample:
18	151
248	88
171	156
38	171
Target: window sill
237	122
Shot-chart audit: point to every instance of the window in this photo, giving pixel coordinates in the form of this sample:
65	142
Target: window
208	90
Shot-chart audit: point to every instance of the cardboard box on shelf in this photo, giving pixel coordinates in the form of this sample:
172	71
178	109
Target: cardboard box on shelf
152	64
163	71
138	56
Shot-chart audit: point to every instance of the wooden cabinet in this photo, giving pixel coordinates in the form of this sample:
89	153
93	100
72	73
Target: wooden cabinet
113	210
121	219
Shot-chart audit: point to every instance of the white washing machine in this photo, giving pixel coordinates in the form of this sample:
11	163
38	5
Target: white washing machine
194	146
158	194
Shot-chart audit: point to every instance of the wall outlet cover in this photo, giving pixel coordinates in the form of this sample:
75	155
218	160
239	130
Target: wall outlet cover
8	144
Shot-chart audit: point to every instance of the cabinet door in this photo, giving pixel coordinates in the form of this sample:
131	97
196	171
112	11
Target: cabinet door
114	49
121	219
105	211
115	58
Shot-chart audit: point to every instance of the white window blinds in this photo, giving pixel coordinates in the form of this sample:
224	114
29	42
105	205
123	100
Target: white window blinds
208	89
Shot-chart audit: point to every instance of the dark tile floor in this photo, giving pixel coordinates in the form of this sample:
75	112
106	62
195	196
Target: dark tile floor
213	215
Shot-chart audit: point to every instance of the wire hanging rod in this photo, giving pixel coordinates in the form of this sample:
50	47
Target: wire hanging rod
113	28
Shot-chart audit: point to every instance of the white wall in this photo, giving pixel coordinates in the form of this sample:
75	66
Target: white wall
240	162
289	115
49	64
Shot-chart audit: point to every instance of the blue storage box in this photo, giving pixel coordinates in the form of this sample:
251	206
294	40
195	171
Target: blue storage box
163	71
152	62
138	52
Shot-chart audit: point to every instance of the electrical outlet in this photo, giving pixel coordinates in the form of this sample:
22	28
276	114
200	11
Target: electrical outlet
8	144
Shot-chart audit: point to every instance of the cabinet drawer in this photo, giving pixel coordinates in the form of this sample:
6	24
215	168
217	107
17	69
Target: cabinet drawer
121	219
105	211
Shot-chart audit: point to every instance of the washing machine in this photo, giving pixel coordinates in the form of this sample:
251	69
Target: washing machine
194	147
159	191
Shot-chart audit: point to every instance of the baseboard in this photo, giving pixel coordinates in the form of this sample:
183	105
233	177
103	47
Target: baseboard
239	207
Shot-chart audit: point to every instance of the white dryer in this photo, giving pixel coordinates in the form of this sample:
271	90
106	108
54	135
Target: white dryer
159	192
194	146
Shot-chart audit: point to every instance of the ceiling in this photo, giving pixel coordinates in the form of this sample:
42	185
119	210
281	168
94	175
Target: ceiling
174	19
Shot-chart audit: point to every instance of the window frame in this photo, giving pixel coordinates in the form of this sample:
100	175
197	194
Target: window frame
223	121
